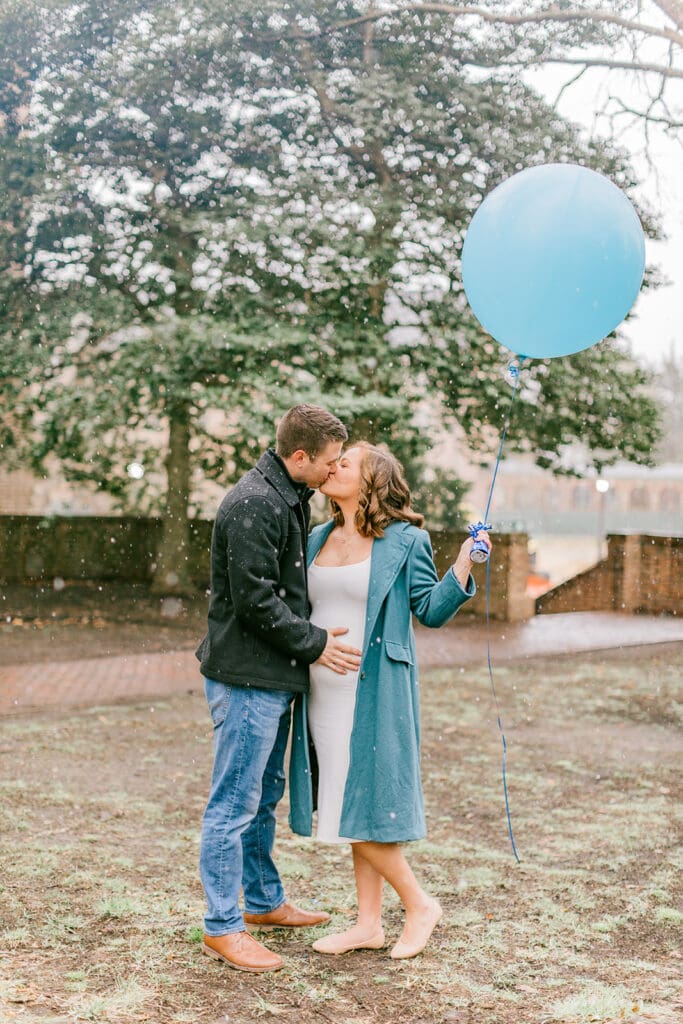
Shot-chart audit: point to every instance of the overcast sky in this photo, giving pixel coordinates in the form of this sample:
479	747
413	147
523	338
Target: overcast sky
658	321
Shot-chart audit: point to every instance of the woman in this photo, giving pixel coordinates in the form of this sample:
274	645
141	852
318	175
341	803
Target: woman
370	567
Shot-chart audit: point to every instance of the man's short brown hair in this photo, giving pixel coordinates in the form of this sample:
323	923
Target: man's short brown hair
309	429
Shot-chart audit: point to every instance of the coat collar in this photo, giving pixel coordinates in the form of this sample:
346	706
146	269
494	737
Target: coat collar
388	557
275	472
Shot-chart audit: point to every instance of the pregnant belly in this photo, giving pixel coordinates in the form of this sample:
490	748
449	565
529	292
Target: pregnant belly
327	678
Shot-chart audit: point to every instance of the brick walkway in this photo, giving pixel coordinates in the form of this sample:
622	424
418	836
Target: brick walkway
90	681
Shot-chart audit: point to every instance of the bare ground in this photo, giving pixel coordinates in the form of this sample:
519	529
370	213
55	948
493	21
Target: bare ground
41	624
100	902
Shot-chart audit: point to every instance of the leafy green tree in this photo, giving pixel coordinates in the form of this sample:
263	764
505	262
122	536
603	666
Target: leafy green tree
439	495
247	207
21	164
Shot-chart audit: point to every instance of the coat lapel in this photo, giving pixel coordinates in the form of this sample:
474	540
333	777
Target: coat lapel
317	538
388	556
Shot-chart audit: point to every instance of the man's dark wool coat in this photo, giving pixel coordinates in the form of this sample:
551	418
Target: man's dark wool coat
259	633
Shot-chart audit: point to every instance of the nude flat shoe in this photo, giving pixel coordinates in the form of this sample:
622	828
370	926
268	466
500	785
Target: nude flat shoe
331	945
403	950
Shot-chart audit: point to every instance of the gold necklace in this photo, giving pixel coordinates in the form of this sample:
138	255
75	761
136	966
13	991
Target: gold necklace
346	542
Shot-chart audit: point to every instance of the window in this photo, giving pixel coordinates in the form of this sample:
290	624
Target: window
669	500
582	496
640	498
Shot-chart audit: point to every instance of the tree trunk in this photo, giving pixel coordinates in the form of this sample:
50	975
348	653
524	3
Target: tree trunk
172	573
364	428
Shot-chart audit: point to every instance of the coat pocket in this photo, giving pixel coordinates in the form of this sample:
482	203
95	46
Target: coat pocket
398	652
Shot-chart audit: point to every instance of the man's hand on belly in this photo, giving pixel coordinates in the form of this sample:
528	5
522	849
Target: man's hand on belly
338	656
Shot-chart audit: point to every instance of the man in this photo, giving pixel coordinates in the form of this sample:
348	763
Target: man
255	657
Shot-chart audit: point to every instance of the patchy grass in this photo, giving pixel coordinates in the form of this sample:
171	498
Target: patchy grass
101	905
597	1002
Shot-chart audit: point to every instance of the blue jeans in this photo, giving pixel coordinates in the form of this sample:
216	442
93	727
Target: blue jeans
251	727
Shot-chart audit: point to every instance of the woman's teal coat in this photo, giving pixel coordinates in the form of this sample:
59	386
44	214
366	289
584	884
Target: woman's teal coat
383	795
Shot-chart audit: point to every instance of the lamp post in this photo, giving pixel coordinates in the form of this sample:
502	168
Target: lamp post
602	487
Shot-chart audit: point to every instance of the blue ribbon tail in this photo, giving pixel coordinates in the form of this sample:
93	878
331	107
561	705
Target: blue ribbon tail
514	372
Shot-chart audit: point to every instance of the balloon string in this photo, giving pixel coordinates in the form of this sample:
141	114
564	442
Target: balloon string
514	370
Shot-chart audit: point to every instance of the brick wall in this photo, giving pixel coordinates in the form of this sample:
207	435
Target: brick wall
509	571
123	548
85	547
642	573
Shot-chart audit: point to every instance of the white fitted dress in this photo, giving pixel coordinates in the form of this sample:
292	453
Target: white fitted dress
339	597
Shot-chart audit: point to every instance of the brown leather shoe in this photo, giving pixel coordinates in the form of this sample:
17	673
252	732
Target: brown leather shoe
242	952
286	916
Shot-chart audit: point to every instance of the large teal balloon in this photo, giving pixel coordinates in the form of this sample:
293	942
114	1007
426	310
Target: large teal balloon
553	260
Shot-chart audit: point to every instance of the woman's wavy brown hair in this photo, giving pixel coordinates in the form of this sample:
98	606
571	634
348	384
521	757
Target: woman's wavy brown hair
384	493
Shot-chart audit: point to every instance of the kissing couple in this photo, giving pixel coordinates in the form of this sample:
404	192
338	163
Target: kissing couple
316	630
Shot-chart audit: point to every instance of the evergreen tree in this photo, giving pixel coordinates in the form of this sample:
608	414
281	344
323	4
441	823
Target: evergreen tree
237	210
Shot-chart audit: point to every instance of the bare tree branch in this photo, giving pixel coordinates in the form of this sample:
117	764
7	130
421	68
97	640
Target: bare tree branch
498	18
585	62
672	8
599	62
647	115
569	82
367	43
634	33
